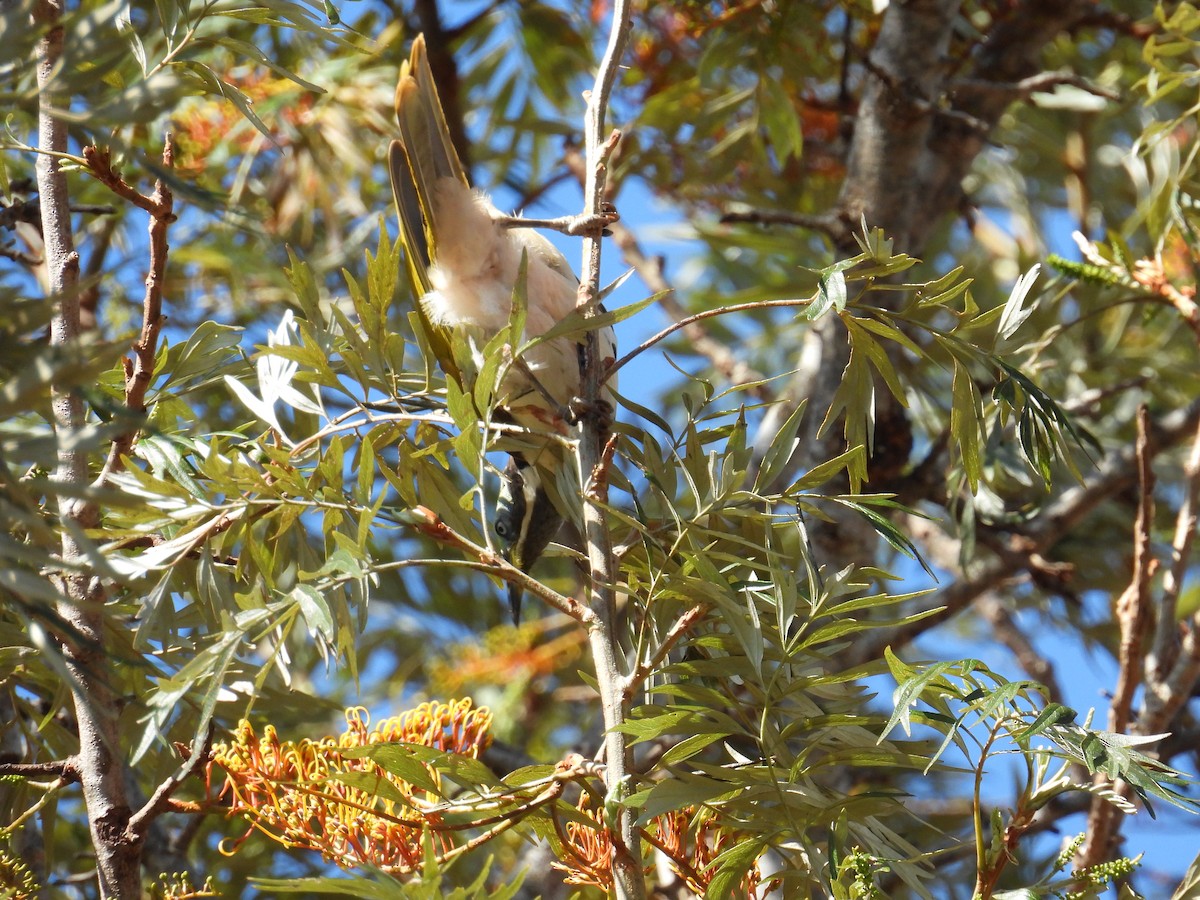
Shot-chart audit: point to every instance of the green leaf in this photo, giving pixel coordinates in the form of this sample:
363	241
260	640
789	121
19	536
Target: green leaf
315	611
779	116
779	453
575	324
732	865
1053	714
966	418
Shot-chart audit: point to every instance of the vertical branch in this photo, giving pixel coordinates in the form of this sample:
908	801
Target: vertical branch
1173	661
101	772
1132	614
1164	650
627	862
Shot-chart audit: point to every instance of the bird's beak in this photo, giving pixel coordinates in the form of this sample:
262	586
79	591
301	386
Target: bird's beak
515	593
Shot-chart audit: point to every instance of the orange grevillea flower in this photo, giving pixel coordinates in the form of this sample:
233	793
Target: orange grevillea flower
292	793
689	841
203	123
506	654
587	848
692	842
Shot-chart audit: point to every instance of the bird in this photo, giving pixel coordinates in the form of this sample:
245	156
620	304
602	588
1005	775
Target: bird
465	258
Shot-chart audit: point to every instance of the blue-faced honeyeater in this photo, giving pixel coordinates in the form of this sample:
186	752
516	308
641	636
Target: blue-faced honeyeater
464	260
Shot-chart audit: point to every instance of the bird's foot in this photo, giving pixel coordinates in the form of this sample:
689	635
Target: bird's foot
572	225
600	412
594	224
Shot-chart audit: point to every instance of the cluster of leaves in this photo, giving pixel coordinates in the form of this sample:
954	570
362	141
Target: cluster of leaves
985	717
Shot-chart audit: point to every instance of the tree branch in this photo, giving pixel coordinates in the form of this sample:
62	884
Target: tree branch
628	879
140	822
1036	83
432	526
66	769
650	270
681	627
826	223
82	606
700	317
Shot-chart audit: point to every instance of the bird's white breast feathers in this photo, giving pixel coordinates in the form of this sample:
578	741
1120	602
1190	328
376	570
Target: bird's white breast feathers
475	266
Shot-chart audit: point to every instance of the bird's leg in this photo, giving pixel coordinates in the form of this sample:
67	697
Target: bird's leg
573	225
560	411
600	410
576	409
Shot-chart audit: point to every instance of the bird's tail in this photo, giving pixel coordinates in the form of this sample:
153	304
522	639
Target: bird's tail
422	156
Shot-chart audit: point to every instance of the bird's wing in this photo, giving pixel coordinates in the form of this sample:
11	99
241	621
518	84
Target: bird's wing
423	154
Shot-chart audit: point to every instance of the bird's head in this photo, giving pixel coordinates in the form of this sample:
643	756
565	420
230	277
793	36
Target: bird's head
526	521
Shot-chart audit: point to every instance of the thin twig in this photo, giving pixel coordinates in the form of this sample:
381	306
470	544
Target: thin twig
826	223
30	212
574	226
66	769
1043	81
507	821
699	317
431	525
48	796
99	165
681	627
140	822
651	271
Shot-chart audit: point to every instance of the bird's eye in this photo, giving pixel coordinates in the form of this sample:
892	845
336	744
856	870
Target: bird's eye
502	529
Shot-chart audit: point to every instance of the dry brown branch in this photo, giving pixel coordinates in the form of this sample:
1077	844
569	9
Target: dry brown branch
140	370
1132	613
